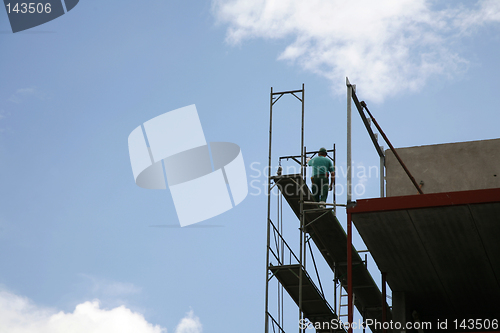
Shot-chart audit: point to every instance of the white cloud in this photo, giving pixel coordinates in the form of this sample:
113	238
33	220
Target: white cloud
20	315
487	12
109	292
384	46
189	324
21	94
102	287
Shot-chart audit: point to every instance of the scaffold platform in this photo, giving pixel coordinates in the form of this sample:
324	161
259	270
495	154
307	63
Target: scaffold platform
314	304
331	240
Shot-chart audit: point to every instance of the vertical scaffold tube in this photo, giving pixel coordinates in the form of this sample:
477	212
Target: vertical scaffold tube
266	321
302	224
349	199
382	174
349	273
334	180
349	174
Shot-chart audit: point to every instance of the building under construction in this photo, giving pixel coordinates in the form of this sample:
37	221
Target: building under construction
434	235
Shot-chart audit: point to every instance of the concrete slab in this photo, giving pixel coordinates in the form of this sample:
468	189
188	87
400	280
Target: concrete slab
447	167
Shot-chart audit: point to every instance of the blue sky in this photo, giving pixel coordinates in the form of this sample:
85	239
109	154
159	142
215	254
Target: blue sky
74	227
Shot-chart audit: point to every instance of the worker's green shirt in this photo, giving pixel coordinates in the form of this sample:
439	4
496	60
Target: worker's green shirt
321	165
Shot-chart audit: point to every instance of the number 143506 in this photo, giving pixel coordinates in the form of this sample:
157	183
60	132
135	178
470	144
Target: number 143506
29	8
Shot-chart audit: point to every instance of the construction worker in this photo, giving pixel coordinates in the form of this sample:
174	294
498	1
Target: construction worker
321	166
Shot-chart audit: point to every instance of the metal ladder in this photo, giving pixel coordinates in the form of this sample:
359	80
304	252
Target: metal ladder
344	306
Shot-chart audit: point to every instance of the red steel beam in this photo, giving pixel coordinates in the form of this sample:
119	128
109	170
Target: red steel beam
349	273
426	201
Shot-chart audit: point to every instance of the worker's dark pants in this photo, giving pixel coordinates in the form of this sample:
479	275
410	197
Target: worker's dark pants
319	188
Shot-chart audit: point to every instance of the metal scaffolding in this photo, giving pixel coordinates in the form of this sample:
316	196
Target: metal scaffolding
320	225
280	242
290	271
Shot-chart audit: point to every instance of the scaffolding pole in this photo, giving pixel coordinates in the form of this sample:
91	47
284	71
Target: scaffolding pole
302	223
382	174
350	307
349	174
274	97
266	321
334	153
